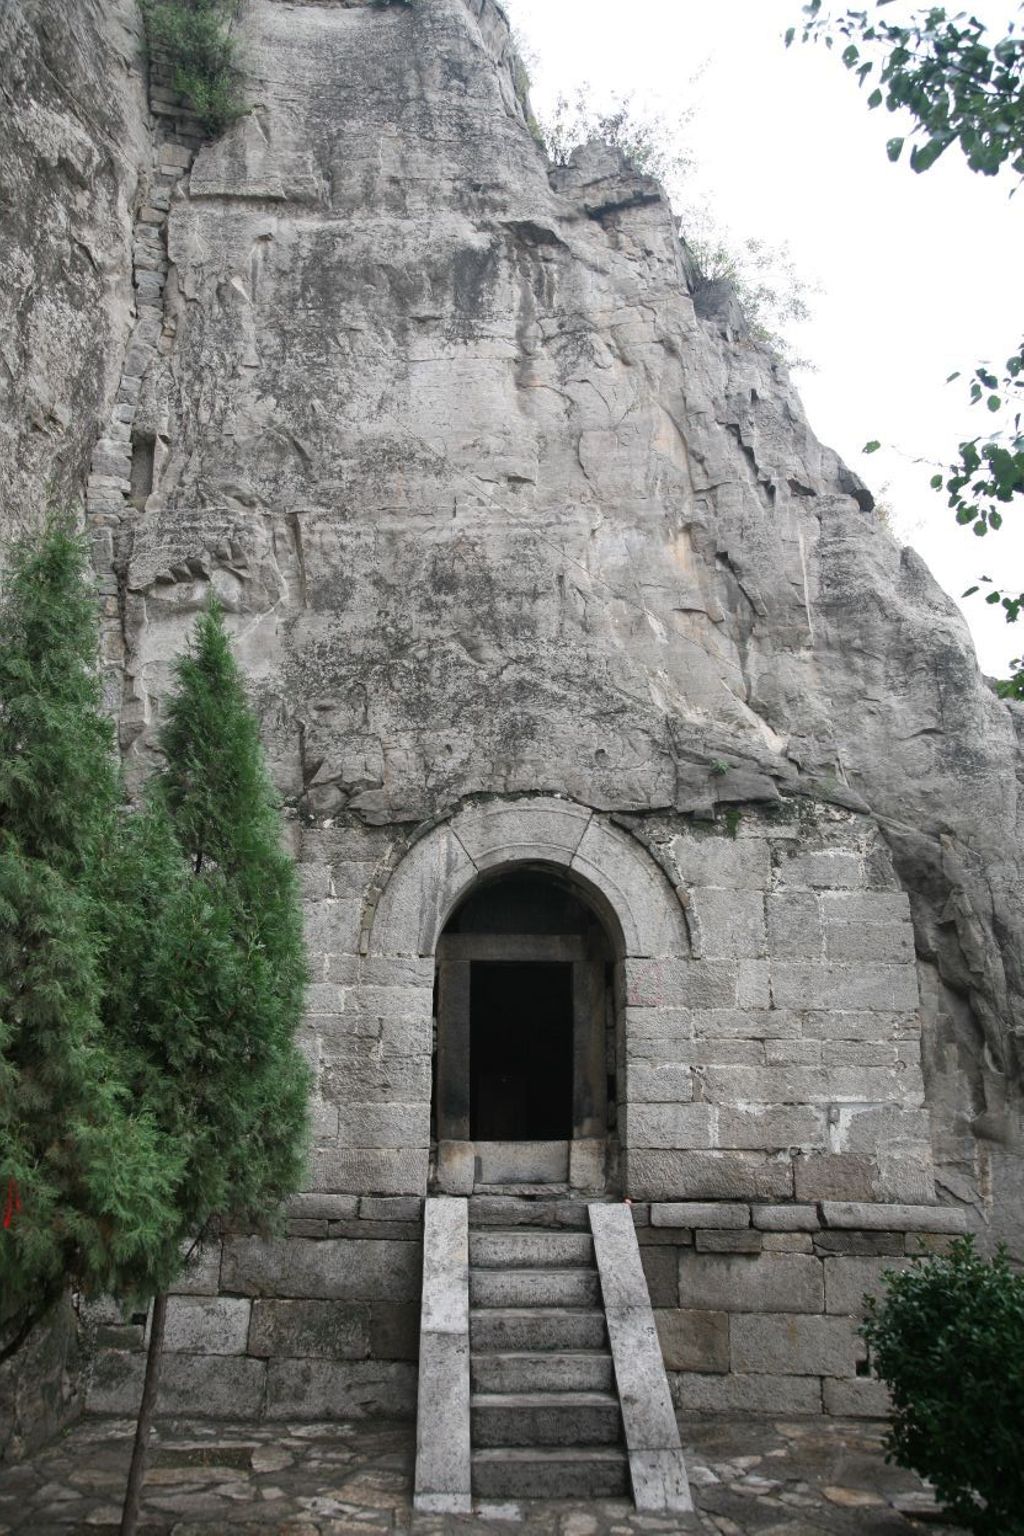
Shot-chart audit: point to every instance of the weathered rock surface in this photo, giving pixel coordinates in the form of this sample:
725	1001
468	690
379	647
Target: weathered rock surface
74	141
501	507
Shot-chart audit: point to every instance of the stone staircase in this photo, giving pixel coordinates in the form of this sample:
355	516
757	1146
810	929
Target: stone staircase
544	1410
540	1374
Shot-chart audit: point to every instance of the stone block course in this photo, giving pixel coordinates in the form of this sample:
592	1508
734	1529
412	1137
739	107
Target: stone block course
669	1125
682	983
794	926
729	1242
860	1244
903	1218
794	1346
692	1340
879	909
357	1071
369	1170
661	1268
682	1213
390	1125
828	1176
327	1207
662	1083
699	1393
852	987
662	1175
731	924
340	1389
812	870
769	1126
860	1398
849	1277
786	1218
328	1330
736	864
747	1024
776	1282
343	1270
862	941
211	1325
207	1386
657	1023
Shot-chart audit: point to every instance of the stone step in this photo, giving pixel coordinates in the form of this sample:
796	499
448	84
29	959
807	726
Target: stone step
515	1211
536	1328
560	1472
534	1288
588	1370
545	1418
528	1248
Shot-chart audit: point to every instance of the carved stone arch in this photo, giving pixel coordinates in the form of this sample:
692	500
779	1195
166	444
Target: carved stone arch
496	846
620	877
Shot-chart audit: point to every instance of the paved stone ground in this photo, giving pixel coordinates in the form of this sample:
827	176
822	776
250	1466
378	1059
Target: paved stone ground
751	1478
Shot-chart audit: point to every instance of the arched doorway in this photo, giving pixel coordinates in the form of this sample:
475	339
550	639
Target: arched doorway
525	1061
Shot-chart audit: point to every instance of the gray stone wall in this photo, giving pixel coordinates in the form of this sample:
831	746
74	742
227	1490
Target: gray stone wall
782	1058
320	1323
757	1305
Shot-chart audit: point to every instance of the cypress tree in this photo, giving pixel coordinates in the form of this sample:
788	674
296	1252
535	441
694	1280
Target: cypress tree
213	1015
88	1178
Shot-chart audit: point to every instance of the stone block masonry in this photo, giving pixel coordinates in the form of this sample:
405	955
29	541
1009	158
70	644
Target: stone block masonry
791	1035
309	1325
775	1331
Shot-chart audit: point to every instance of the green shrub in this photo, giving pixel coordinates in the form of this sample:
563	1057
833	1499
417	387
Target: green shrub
196	37
948	1340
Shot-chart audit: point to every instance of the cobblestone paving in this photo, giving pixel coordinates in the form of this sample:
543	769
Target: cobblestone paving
751	1477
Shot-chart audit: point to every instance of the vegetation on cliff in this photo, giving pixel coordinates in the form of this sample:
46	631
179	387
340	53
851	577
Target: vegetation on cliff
195	38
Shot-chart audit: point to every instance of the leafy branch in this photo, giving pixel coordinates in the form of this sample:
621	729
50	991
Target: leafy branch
956	87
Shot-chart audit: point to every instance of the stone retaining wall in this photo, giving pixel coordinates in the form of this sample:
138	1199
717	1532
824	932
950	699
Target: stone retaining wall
322	1323
757	1306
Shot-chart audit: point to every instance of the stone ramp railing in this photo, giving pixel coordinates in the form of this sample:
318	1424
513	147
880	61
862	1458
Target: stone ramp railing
656	1464
443	1466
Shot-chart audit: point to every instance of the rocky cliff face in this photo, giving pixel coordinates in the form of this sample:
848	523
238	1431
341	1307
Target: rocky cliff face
501	506
75	142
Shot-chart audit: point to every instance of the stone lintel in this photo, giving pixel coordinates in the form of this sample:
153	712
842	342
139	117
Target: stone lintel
786	1218
893	1218
709	1215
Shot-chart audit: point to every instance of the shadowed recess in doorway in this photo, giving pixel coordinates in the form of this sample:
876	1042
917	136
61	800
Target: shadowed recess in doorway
521	1055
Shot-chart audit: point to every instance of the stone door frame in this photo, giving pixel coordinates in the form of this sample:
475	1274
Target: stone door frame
456	953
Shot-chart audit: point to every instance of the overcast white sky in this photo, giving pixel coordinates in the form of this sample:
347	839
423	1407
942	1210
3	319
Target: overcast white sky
921	274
